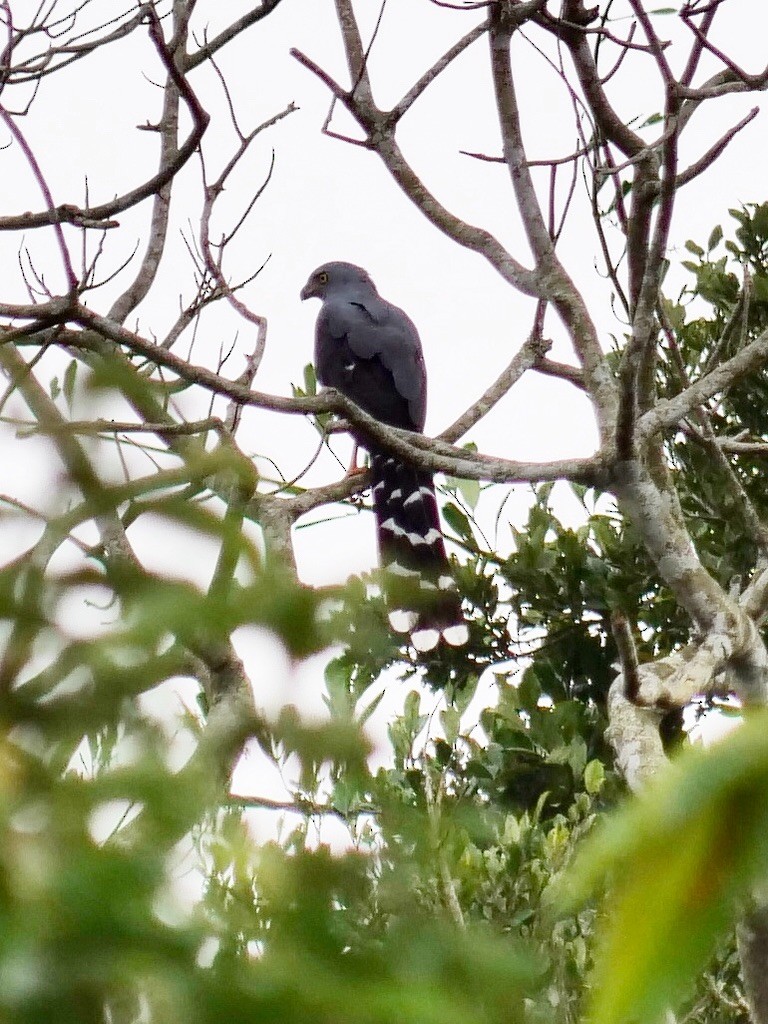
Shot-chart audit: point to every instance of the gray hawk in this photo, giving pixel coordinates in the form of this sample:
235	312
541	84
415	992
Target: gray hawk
371	352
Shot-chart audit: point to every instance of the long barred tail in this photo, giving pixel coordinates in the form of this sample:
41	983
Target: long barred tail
421	591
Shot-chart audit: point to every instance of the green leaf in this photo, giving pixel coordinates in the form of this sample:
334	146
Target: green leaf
651	120
310	380
760	221
529	689
68	385
450	719
469	490
366	713
594	777
697	841
463	695
339	700
715	238
675	313
580	491
411	706
457	520
511	830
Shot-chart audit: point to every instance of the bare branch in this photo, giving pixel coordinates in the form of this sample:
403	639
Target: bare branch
528	356
437	68
168	130
707	159
95	216
266	7
40	179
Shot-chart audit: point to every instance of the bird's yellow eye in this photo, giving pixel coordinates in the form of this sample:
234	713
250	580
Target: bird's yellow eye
322	277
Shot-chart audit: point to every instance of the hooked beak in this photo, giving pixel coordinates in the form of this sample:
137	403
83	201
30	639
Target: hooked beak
307	291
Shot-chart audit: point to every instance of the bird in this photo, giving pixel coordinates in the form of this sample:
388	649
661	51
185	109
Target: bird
370	351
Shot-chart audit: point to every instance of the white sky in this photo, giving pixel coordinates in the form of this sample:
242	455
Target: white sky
328	200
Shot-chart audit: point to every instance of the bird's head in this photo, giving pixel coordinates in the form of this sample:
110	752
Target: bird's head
336	275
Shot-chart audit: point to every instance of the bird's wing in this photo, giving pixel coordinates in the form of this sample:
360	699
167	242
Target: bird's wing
383	346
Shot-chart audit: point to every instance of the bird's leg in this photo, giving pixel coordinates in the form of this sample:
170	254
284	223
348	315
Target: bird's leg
354	469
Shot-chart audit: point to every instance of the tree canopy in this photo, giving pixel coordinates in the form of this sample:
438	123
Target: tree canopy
533	841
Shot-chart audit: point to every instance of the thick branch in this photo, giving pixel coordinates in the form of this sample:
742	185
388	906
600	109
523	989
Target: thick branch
535	226
428	454
528	356
634	734
731	635
161	205
670	411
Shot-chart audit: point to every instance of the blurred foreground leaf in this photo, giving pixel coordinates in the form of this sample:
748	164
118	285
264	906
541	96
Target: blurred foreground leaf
676	861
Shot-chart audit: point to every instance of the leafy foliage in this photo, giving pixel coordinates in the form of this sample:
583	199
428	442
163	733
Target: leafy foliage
468	878
490	868
730	283
448	897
